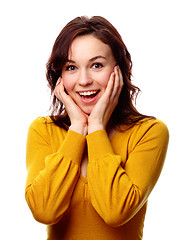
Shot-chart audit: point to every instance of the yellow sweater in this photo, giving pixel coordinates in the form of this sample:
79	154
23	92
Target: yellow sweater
110	204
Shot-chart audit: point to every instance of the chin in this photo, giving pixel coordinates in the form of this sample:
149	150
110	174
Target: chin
87	110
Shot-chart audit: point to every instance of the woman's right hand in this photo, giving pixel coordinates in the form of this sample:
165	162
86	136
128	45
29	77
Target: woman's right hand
79	120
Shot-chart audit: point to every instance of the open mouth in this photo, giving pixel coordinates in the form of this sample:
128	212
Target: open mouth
88	94
88	97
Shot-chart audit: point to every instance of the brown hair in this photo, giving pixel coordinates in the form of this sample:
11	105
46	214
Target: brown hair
99	27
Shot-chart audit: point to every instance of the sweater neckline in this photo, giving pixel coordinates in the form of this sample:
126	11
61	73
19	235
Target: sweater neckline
83	179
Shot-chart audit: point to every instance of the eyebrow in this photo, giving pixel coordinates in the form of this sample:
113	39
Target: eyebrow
91	60
95	58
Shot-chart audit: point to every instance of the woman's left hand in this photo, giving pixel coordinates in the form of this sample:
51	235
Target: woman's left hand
102	111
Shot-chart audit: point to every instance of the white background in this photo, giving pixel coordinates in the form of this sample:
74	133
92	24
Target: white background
27	33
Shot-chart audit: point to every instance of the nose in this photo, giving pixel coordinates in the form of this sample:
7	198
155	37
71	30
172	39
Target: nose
84	78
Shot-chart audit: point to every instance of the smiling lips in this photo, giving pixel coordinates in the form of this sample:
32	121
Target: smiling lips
88	96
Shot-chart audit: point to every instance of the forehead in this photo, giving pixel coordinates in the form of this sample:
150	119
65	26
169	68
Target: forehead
87	47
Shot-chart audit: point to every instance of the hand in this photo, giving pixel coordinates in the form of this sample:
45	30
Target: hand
77	117
102	111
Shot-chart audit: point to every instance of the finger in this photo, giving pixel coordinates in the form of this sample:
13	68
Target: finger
64	97
58	81
110	85
118	82
121	79
59	89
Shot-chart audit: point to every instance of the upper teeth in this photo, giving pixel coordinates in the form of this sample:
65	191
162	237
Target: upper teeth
87	93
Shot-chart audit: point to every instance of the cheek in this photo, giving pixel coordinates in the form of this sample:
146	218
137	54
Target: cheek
68	83
103	79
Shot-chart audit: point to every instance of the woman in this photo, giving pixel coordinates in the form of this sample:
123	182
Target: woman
93	163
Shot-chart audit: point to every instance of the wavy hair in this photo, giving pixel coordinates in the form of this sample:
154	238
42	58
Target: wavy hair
100	28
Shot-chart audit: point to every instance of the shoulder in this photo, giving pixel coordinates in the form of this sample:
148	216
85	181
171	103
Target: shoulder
38	129
44	127
150	131
41	121
40	124
153	126
146	125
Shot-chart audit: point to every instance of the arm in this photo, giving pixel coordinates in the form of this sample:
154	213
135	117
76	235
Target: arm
51	176
102	111
118	193
77	117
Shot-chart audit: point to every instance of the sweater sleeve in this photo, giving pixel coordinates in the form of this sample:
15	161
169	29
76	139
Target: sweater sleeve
118	193
51	176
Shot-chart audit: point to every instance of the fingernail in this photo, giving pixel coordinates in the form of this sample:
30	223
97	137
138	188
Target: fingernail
58	81
116	68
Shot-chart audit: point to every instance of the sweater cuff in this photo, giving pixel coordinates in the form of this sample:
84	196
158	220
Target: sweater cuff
98	144
73	146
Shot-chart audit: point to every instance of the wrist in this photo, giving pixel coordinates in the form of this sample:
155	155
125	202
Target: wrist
95	127
79	128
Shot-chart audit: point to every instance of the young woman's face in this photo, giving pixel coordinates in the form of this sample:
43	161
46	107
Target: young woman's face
87	71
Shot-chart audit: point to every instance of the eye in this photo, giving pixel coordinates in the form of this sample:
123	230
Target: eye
70	68
97	65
